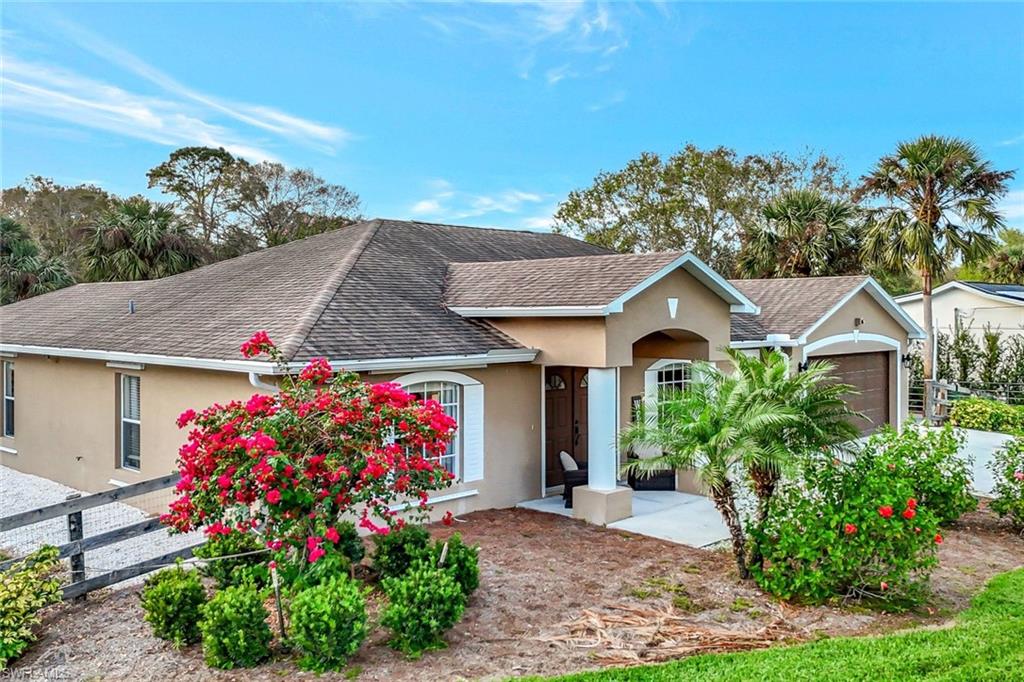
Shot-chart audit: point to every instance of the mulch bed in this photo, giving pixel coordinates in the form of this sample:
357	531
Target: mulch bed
555	596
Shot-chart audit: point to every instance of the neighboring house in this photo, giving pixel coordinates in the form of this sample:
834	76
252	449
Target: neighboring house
535	343
971	305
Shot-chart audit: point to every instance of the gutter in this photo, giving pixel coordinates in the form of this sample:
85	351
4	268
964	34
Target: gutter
256	382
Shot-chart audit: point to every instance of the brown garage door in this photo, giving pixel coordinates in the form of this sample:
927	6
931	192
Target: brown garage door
869	373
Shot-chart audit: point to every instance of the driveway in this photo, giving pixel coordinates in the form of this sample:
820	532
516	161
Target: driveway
981	446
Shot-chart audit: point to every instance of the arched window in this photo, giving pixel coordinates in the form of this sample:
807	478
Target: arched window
673	378
447	394
554	383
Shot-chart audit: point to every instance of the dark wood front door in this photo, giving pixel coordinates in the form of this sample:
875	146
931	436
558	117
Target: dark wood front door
565	418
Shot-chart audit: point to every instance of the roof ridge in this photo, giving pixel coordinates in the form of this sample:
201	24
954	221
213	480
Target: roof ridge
293	342
797	279
520	261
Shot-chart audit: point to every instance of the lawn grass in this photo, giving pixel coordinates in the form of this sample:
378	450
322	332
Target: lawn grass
985	643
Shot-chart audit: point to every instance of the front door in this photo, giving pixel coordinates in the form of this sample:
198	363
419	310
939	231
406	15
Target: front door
565	415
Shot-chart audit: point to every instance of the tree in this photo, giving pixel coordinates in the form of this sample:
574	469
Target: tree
196	176
55	215
695	200
714	427
277	204
804	233
1006	265
24	270
137	239
938	205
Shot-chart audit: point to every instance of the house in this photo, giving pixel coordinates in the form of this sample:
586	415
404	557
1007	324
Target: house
971	305
535	343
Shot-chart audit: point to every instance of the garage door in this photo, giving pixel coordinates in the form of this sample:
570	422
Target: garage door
869	373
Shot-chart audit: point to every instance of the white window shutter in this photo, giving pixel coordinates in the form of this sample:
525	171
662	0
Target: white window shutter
472	432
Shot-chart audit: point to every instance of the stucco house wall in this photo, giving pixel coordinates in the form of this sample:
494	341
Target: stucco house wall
975	311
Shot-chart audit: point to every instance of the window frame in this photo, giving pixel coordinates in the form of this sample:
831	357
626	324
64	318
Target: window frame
122	420
454	451
8	397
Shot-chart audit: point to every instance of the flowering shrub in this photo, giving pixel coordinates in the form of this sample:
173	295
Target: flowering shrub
849	530
422	605
987	415
171	600
238	569
25	588
931	460
328	623
1007	468
287	466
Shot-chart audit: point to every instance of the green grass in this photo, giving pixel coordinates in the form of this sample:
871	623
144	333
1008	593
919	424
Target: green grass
985	643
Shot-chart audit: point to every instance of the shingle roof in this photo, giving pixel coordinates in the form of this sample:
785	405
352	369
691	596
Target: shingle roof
573	281
371	290
788	305
1014	291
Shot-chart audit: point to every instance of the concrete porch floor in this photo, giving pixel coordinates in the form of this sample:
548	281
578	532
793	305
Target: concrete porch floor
665	514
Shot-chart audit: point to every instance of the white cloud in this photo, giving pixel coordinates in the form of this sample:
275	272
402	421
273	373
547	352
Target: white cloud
1012	207
559	73
446	203
617	97
1011	141
426	207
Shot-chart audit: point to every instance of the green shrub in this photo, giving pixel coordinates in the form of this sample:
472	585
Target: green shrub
25	588
350	544
849	530
1007	468
328	623
987	415
931	459
460	561
172	600
399	549
239	570
234	627
422	605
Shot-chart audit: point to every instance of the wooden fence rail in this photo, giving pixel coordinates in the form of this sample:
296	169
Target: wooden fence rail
78	544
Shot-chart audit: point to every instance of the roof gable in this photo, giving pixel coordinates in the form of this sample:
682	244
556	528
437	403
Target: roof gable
1004	293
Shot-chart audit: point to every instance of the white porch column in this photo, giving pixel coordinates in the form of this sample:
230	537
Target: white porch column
602	501
602	449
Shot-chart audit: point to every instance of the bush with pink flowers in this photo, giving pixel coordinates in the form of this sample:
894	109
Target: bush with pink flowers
1007	468
288	467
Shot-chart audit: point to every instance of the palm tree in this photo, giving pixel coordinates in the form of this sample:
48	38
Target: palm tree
713	428
24	270
824	418
137	239
938	206
804	234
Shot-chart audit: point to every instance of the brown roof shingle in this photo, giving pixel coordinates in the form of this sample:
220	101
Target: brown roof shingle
573	281
371	290
788	305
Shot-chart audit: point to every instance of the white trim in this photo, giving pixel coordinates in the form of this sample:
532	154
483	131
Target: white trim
8	430
858	337
116	483
435	500
395	364
7	450
126	365
882	297
421	377
543	431
956	284
738	303
8	356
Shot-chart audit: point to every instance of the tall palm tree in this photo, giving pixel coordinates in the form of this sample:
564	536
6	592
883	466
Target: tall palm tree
713	428
824	418
937	205
24	270
804	234
137	239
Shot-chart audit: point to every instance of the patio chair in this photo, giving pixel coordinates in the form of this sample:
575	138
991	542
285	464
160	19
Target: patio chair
572	476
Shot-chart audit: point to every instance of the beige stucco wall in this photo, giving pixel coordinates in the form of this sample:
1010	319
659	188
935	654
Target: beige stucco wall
876	321
975	311
66	424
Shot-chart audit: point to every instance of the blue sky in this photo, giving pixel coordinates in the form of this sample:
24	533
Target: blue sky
489	114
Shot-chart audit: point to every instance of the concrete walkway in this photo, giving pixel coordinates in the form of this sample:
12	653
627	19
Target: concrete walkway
665	514
981	447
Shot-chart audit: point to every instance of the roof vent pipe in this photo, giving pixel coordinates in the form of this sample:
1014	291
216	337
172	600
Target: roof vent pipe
131	306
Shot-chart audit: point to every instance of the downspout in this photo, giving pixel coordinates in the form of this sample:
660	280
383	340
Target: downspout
257	382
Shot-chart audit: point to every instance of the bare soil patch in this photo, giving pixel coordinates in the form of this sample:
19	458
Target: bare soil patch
538	573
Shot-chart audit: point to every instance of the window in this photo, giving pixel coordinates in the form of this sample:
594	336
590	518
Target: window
447	394
554	383
9	399
130	422
672	379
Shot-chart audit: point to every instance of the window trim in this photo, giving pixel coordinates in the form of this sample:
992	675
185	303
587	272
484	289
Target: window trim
122	462
443	384
8	428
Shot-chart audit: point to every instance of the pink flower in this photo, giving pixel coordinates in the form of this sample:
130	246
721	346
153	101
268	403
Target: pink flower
272	565
274	496
318	371
224	481
885	586
1019	475
315	554
186	417
258	343
332	535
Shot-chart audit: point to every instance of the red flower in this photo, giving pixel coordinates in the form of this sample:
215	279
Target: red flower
447	518
274	496
912	503
318	371
850	529
186	417
885	511
909	513
885	586
332	535
315	554
258	343
938	539
224	481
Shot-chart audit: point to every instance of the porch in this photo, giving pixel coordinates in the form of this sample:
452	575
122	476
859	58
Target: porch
678	517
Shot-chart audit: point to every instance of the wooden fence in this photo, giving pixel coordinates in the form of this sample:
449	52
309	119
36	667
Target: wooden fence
78	544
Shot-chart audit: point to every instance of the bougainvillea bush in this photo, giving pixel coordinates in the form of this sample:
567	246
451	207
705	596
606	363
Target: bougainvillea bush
288	466
1008	472
850	529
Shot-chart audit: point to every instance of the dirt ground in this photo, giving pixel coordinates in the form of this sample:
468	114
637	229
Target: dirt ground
538	571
